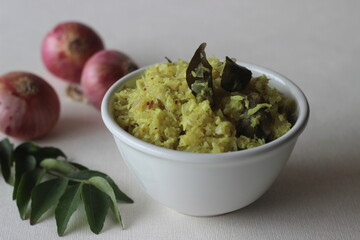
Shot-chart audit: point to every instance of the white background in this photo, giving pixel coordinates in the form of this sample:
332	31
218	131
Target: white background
314	43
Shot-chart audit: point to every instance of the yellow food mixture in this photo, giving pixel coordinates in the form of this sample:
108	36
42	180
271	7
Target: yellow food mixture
162	110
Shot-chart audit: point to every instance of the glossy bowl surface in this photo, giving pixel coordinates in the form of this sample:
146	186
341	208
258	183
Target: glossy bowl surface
207	184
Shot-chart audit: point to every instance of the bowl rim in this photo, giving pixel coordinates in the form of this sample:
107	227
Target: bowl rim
190	157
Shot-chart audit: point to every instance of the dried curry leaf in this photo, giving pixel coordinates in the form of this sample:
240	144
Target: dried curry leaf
261	128
199	76
168	60
234	77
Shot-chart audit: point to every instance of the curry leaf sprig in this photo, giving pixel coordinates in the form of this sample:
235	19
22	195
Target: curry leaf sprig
199	76
43	178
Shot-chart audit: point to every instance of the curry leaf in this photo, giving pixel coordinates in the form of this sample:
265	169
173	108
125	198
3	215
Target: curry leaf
44	196
27	148
27	183
104	186
86	174
24	161
168	60
58	165
30	148
120	195
68	204
6	150
97	204
23	164
234	77
45	181
78	166
262	129
49	152
199	76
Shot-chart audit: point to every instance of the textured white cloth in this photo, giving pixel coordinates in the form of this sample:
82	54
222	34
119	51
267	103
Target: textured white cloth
314	43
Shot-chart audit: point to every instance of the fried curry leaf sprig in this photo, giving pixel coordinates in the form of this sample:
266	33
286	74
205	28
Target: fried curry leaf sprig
234	77
44	179
199	76
234	80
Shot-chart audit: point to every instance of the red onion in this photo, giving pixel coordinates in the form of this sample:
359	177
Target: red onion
67	47
101	71
29	106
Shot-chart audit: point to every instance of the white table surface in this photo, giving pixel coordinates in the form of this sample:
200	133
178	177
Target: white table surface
314	43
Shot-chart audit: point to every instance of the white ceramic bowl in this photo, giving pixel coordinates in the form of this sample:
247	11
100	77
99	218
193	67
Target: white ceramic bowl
207	184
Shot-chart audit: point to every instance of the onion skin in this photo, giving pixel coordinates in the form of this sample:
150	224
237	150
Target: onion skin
67	47
101	71
29	106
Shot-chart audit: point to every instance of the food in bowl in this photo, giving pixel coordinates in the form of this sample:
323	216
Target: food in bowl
203	106
203	184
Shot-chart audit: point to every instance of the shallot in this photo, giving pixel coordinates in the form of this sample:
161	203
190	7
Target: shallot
67	47
29	106
102	70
